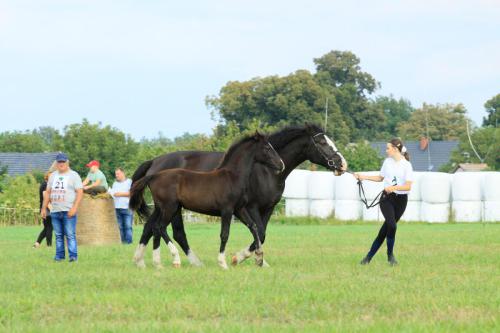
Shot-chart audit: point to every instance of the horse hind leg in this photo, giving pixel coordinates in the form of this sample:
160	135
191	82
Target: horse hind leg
147	233
181	239
224	236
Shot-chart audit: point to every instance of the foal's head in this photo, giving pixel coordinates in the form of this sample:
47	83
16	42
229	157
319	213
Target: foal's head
265	153
259	147
324	152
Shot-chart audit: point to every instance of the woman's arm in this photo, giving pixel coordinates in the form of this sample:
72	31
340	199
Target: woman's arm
366	177
405	187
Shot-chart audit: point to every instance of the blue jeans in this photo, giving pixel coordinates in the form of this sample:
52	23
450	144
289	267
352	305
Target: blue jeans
64	226
125	218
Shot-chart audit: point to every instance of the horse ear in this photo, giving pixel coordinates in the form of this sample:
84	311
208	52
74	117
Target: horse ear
257	135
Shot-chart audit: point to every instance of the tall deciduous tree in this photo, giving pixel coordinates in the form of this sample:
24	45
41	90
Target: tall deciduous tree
440	121
492	107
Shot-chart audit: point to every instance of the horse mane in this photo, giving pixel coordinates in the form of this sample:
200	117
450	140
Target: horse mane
234	147
282	137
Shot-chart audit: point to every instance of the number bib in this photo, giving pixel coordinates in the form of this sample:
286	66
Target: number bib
59	188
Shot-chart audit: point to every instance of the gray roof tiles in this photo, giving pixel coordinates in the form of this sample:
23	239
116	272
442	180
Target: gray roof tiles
21	163
439	151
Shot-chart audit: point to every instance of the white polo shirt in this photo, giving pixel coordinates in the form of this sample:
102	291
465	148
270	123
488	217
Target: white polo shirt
396	173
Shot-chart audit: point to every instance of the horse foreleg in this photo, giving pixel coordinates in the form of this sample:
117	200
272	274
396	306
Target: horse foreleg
246	217
224	236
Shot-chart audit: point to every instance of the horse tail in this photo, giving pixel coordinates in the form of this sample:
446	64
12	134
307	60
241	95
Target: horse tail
139	203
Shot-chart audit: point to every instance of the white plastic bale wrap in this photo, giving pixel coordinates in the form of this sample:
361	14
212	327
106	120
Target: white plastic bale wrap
296	207
435	212
412	212
321	208
491	186
414	194
372	189
348	209
491	211
467	211
372	214
466	186
296	184
321	185
435	187
346	187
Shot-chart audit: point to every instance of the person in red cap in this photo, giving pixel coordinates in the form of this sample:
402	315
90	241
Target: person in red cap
95	182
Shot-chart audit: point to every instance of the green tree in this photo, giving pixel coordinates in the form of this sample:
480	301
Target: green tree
340	73
85	142
396	111
362	157
492	107
486	141
22	142
444	122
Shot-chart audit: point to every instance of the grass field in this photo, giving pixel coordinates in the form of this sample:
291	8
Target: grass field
448	280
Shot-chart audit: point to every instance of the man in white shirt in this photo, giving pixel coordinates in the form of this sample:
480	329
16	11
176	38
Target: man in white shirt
120	191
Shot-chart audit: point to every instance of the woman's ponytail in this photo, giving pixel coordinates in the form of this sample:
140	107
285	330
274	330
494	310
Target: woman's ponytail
396	142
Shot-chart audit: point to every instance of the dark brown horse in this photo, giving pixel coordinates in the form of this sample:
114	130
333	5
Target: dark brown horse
221	192
295	144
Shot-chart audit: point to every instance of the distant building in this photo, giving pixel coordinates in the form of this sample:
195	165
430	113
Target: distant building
22	163
465	167
425	155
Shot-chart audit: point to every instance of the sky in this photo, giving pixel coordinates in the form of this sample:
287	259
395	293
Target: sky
146	67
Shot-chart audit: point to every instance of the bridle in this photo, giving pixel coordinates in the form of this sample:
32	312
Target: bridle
329	161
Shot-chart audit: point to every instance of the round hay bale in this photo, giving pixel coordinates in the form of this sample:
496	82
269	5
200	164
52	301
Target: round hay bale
321	208
96	224
321	185
296	184
296	207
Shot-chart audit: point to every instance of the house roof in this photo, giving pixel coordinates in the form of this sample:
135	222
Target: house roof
438	152
22	163
471	167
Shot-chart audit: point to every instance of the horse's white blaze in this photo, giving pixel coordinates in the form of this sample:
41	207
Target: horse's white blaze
156	257
193	259
175	253
221	260
331	144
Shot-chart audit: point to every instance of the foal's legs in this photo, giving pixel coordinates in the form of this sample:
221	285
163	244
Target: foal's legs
226	218
147	233
160	231
180	238
261	223
247	219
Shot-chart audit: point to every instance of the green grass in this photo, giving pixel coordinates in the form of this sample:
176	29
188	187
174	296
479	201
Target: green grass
448	280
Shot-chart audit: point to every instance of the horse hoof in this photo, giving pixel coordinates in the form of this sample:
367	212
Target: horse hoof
140	264
234	260
176	265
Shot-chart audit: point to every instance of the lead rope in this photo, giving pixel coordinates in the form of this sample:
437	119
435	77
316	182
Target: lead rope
362	196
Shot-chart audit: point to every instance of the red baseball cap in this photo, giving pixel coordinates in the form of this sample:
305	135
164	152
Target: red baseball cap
92	163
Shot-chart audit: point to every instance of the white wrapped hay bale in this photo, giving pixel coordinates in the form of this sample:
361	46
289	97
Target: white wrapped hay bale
412	212
466	186
346	187
348	209
491	211
372	189
467	211
321	185
296	184
491	186
435	212
321	208
414	194
435	187
296	207
372	214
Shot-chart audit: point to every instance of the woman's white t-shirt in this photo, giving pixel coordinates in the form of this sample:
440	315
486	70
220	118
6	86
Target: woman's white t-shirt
396	173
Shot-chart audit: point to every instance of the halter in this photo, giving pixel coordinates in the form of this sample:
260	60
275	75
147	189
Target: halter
329	161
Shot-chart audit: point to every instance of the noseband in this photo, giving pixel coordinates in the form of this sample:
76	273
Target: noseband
329	161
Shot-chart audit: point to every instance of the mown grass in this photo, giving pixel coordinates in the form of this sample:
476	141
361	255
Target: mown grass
448	280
